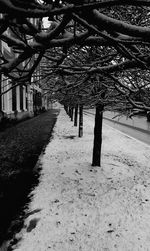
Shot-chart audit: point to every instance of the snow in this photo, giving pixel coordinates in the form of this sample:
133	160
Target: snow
77	207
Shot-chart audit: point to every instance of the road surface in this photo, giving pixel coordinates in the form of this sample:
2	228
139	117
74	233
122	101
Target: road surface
137	127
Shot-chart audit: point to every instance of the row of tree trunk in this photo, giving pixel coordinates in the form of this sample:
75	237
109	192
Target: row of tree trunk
73	113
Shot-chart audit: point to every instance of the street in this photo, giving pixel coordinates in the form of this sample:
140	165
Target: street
137	127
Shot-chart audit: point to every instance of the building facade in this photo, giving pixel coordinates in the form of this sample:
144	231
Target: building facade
23	100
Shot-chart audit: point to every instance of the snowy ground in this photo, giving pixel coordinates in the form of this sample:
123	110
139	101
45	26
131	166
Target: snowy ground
80	208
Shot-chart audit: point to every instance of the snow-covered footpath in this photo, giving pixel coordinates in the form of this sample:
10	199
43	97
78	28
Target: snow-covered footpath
77	207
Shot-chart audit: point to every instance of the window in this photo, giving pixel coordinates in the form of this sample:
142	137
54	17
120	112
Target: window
14	103
21	97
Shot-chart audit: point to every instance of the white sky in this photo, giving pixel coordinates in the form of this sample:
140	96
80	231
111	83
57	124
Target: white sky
46	23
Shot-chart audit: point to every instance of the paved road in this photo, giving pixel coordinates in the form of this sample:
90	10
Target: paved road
137	121
137	127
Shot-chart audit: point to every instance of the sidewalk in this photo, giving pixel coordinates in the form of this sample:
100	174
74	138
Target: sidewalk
80	208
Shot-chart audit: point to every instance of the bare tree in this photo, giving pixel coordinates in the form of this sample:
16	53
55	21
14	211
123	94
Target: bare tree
84	39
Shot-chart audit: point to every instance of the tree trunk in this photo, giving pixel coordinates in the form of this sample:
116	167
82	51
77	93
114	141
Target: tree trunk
69	112
80	121
76	116
97	136
72	109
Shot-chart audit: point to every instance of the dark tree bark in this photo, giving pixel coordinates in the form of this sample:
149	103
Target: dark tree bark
80	121
97	136
72	109
69	112
76	116
0	91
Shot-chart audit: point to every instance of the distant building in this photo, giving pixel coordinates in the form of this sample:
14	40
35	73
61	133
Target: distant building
23	100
